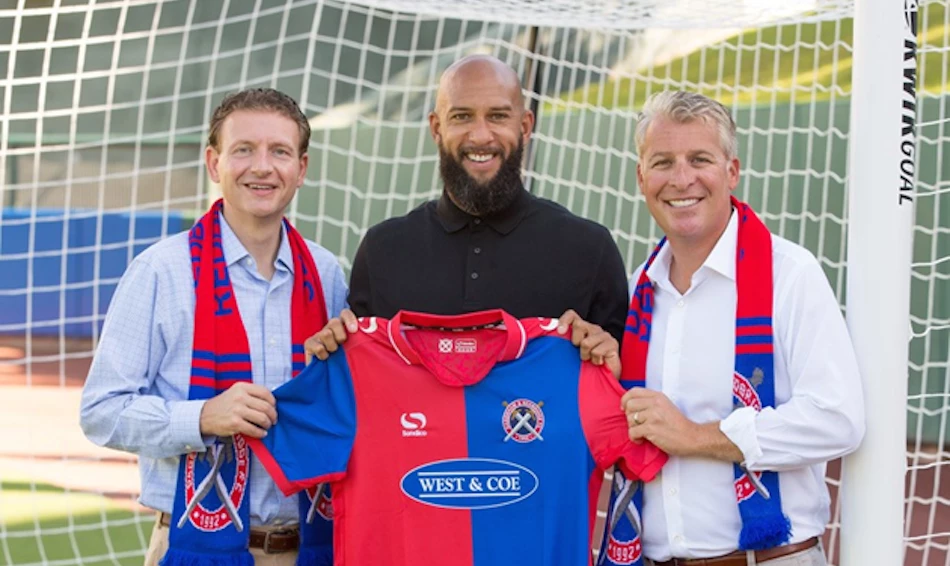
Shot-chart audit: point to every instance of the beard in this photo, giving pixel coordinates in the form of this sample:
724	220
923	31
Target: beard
482	199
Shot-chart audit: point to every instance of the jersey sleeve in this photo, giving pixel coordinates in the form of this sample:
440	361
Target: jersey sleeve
313	437
605	427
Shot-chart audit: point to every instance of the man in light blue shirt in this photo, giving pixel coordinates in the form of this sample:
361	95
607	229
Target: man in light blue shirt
136	396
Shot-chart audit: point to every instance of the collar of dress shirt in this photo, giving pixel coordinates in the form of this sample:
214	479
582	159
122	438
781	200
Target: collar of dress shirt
722	258
234	250
454	218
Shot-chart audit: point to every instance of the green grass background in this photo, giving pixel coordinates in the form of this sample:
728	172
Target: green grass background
74	528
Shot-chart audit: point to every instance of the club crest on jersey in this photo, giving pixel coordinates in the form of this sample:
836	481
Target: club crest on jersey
320	503
523	420
744	390
225	450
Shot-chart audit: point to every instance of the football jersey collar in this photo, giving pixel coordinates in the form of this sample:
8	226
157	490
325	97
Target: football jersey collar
514	346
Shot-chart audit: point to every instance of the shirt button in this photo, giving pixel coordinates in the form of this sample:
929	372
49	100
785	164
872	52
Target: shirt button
272	341
678	539
673	491
478	221
474	275
681	303
188	447
477	250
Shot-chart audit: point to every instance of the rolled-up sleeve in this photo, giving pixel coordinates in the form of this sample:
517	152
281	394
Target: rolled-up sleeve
824	417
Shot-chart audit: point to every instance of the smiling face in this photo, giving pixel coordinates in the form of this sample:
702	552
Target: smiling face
687	179
480	122
258	166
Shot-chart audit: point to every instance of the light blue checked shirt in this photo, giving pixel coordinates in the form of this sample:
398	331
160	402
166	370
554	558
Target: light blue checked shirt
136	396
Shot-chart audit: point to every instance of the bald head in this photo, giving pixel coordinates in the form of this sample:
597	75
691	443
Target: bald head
483	69
481	126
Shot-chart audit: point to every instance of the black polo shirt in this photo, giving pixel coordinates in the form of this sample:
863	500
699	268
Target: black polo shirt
535	258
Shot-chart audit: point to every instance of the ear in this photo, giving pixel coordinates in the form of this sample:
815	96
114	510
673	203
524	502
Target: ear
527	125
732	172
211	162
304	161
435	125
640	182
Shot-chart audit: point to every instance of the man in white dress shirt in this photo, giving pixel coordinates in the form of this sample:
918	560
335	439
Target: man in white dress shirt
749	404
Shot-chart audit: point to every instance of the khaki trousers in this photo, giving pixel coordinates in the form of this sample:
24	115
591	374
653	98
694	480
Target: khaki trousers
158	546
814	556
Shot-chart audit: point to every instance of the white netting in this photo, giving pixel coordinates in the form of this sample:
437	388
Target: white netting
927	517
104	106
630	14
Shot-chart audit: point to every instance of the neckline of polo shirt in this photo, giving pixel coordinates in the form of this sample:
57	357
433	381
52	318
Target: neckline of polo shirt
454	218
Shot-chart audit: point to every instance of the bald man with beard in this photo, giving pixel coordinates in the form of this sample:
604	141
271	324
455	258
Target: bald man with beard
487	243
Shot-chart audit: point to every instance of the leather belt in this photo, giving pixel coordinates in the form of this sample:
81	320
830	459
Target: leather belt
270	540
738	558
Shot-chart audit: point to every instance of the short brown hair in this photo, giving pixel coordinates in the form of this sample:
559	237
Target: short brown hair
260	99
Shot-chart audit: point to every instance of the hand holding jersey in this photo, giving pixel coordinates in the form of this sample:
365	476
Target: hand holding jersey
244	408
595	344
654	418
329	338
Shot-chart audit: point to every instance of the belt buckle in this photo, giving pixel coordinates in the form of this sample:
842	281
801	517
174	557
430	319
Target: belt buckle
267	540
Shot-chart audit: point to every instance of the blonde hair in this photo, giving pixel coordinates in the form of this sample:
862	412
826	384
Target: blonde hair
682	107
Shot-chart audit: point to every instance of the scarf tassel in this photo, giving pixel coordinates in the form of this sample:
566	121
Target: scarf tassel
765	531
179	557
310	556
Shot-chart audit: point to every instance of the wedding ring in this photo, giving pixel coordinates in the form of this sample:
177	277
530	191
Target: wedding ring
636	418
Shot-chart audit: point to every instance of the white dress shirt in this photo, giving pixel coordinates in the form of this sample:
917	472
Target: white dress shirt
136	395
690	509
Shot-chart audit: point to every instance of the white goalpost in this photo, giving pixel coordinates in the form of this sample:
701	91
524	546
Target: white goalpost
104	112
882	152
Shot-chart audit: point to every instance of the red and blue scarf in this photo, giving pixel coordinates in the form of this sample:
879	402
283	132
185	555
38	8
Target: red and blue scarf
211	514
764	525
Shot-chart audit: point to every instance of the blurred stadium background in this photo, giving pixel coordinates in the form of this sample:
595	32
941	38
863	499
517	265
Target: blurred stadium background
105	104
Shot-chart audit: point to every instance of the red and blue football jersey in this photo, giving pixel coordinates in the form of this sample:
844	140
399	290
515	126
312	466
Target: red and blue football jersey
449	441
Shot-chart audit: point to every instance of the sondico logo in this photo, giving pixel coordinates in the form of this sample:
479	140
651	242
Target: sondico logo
413	424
